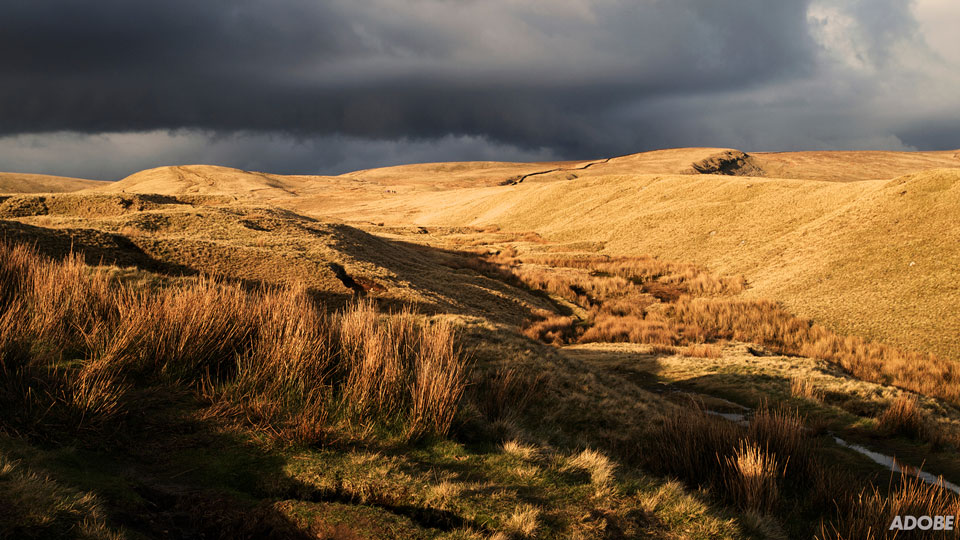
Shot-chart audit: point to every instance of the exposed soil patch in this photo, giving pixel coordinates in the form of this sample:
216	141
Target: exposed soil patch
359	285
730	163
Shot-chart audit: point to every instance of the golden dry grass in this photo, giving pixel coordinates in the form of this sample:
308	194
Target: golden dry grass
70	339
700	445
851	166
703	350
42	183
904	417
751	478
840	253
868	514
818	245
831	166
553	329
769	324
523	522
597	465
804	388
526	452
272	359
648	301
213	180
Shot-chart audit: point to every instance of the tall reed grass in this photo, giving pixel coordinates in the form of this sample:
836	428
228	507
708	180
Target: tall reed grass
868	514
73	342
646	300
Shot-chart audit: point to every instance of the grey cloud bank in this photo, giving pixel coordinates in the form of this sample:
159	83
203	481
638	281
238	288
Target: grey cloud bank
107	88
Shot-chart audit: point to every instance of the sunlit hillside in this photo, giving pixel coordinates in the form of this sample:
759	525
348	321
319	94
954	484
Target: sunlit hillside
873	257
41	183
686	343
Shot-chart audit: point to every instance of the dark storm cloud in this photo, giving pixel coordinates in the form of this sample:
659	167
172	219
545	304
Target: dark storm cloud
509	71
396	78
933	135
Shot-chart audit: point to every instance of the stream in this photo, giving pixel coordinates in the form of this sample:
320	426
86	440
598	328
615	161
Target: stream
898	466
890	462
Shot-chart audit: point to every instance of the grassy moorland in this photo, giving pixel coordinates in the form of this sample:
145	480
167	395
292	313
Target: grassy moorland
874	258
205	363
204	408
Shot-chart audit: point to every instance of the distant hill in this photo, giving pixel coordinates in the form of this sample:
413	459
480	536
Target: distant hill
833	166
851	166
213	180
41	183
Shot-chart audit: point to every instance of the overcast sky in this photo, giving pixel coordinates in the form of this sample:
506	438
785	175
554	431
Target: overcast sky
103	89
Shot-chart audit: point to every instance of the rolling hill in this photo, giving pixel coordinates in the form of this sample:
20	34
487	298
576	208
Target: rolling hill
41	183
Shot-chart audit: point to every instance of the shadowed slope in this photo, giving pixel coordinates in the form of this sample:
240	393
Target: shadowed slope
254	243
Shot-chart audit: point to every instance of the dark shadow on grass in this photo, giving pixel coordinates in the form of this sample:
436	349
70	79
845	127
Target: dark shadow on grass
426	517
458	281
96	247
162	473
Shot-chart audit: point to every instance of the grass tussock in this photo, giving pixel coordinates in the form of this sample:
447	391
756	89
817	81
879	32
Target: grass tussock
805	389
33	505
758	466
73	344
868	514
751	478
600	468
749	465
781	430
689	278
552	329
630	329
905	417
505	394
523	522
526	452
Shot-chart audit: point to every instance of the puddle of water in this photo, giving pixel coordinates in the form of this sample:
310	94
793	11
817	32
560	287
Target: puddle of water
733	417
896	466
876	457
